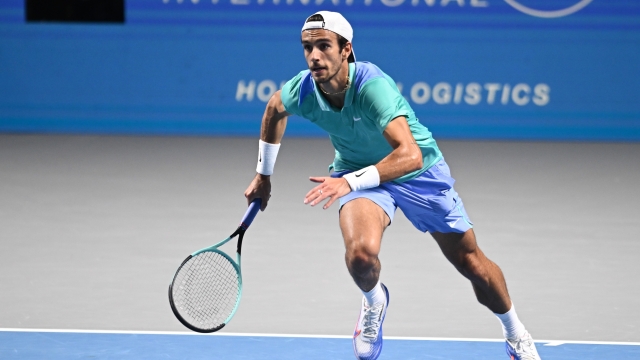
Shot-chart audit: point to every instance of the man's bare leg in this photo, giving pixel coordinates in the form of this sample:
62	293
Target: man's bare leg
486	277
362	223
490	288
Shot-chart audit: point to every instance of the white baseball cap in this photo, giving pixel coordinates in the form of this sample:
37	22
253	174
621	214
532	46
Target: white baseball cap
333	22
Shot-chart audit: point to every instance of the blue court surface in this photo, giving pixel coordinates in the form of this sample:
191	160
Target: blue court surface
70	344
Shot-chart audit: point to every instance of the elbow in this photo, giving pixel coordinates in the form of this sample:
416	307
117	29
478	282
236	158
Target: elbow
415	160
418	163
275	102
275	107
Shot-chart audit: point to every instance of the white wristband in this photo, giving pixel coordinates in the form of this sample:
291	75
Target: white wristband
366	178
267	154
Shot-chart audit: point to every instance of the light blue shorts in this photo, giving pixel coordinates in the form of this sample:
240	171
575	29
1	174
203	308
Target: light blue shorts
428	201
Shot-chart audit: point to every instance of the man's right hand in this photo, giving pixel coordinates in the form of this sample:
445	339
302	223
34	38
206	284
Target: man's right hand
260	187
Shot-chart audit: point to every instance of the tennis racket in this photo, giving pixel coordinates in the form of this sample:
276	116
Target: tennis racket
206	289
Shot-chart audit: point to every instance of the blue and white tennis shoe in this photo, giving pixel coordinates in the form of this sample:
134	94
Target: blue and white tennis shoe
367	337
522	348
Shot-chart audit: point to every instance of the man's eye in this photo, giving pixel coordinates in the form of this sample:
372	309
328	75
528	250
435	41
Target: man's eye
306	47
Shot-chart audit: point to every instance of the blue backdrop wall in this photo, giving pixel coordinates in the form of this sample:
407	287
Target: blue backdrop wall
496	69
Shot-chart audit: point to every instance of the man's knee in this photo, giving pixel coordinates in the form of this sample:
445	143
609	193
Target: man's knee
361	258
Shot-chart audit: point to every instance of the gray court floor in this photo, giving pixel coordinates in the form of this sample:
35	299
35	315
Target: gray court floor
92	228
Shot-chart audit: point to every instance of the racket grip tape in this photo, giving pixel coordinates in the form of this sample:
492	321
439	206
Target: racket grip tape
251	213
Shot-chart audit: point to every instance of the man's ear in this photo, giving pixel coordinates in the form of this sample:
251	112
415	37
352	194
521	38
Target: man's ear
345	52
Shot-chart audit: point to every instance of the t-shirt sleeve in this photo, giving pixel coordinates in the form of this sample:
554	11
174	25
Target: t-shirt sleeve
290	95
381	102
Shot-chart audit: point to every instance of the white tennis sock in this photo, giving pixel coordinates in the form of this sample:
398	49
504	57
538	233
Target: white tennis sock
512	328
375	295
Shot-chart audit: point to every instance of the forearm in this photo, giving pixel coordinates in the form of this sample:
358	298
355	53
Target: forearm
274	120
405	158
402	160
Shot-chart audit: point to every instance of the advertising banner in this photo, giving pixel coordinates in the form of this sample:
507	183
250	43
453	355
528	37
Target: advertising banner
483	69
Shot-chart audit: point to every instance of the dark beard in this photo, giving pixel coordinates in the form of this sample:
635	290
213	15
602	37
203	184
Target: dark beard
328	79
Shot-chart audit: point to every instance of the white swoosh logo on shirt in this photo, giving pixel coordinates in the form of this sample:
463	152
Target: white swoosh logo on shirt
356	119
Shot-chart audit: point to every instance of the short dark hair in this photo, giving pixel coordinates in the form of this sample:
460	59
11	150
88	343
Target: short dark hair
342	42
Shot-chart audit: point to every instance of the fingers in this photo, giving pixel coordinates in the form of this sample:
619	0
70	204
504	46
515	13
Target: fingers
249	196
330	202
317	179
253	196
264	203
329	188
260	188
312	195
321	192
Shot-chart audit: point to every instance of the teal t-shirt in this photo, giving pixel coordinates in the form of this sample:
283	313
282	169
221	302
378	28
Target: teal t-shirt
356	130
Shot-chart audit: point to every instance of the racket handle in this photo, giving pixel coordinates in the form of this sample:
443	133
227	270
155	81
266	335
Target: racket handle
251	213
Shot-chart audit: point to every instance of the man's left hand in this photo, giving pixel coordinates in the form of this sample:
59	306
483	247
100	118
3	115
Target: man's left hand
332	188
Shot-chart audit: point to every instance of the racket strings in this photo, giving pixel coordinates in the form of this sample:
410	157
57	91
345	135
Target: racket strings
206	289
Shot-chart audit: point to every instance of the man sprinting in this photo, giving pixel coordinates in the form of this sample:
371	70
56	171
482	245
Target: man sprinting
385	159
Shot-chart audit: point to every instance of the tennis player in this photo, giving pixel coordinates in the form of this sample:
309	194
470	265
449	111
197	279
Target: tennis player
384	159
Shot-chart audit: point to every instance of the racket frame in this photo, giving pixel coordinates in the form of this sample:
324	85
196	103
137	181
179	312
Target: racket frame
236	265
244	225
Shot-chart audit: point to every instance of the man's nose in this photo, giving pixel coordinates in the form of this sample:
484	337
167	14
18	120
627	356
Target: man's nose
315	54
